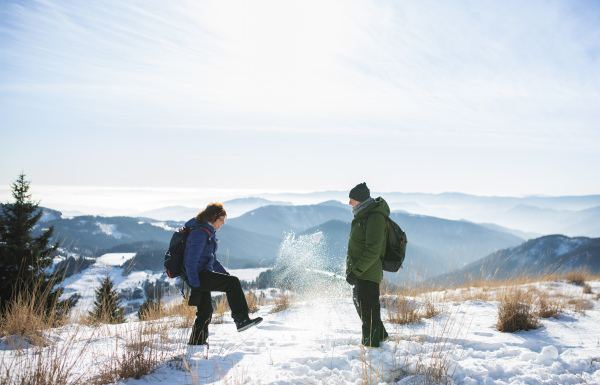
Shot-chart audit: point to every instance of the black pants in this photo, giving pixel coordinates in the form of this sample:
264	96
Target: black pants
202	299
366	301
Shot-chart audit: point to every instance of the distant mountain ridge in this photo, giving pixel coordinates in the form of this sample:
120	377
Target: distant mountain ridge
547	254
87	235
436	245
276	221
531	215
569	215
234	208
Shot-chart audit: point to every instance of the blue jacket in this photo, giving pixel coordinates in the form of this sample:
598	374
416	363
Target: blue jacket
200	252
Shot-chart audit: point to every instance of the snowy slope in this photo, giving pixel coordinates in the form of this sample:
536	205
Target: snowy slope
548	254
87	281
316	342
130	286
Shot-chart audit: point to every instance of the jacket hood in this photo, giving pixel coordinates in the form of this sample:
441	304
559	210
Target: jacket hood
379	205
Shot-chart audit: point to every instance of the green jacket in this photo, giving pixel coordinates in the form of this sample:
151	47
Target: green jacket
366	249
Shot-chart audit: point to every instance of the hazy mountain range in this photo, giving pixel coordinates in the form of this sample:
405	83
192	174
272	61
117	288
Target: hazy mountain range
531	216
234	208
252	238
544	255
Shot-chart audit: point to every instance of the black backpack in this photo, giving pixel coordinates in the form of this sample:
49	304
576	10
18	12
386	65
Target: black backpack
174	256
395	246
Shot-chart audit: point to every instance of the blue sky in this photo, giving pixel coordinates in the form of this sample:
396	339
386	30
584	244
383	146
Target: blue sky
480	97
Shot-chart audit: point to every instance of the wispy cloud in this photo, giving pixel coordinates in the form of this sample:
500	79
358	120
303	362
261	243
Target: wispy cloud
471	74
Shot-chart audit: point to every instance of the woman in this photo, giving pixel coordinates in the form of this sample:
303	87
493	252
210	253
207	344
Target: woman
206	274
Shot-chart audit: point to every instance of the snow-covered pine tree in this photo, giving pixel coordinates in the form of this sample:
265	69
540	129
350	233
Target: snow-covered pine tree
107	305
24	259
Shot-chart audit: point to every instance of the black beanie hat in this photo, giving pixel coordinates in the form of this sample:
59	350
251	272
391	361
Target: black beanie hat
360	193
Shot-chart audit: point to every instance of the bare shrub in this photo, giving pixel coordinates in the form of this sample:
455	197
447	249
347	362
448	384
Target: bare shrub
576	277
515	312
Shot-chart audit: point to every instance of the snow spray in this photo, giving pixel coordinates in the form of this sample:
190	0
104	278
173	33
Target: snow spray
301	266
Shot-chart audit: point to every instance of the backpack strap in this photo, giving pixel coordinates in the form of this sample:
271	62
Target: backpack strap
363	221
209	237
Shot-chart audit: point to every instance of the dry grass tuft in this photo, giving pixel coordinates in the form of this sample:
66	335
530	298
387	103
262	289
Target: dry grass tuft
151	310
515	311
281	302
579	305
431	308
401	310
587	289
546	307
27	316
54	364
576	277
221	307
252	301
183	314
431	359
138	354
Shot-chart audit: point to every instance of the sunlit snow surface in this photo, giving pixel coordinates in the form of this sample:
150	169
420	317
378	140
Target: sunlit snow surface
316	342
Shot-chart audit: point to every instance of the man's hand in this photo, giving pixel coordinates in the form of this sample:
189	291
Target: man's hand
351	278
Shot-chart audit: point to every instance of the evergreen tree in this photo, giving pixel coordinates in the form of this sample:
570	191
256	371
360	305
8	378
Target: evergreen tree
107	305
24	259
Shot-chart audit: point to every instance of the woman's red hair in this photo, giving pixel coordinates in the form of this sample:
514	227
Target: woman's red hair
211	213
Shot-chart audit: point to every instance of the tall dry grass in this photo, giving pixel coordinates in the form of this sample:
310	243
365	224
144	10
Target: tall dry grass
416	359
281	301
253	302
515	311
45	349
577	277
404	310
220	309
139	349
55	363
29	314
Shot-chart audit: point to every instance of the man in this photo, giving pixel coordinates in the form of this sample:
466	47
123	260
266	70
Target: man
366	246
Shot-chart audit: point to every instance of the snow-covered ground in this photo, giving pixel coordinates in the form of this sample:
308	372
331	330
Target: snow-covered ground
316	341
87	281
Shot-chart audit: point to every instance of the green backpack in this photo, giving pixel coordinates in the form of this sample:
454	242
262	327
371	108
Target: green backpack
395	246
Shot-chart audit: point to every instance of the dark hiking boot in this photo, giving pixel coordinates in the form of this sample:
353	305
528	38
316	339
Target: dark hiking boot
247	323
